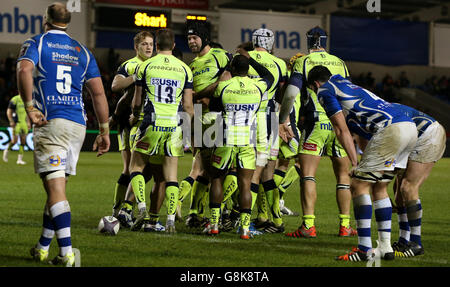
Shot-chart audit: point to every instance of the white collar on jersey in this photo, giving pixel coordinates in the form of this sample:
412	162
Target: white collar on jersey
56	32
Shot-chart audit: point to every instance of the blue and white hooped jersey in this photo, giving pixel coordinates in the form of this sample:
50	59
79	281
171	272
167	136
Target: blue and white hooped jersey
62	65
422	120
364	112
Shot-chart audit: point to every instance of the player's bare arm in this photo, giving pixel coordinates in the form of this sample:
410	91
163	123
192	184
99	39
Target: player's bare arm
95	88
344	136
25	85
120	82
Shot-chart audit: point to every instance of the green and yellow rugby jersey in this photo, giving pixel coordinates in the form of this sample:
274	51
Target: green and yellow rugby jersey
163	79
276	66
207	69
239	100
20	114
300	72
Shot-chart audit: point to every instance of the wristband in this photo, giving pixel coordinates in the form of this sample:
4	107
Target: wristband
104	128
29	107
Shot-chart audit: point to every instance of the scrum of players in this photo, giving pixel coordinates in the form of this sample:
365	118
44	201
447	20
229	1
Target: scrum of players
252	171
248	115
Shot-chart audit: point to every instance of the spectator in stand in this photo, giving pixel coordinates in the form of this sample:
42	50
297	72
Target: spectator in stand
370	82
387	92
403	81
442	85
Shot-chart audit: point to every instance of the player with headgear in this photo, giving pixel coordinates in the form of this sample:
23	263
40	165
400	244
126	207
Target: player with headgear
317	136
207	67
264	190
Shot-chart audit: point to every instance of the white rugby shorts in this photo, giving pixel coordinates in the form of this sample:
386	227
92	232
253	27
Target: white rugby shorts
57	146
387	149
430	145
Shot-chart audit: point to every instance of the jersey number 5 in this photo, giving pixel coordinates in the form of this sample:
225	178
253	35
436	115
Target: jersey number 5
64	79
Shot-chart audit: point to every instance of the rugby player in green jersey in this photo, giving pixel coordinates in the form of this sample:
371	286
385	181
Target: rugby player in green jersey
166	84
20	124
283	175
263	184
207	67
123	82
317	137
238	99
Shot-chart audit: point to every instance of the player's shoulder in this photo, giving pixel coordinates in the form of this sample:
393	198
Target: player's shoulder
279	61
223	84
219	51
300	62
183	64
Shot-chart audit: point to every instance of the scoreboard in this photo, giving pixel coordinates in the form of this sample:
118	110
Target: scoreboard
130	19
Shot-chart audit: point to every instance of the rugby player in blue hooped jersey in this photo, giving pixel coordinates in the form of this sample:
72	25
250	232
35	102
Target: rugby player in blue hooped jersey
429	149
51	71
391	137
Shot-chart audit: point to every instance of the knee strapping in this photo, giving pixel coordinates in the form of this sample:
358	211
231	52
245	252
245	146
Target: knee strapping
53	174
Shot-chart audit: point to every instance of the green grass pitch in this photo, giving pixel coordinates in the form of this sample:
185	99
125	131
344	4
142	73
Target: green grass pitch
90	195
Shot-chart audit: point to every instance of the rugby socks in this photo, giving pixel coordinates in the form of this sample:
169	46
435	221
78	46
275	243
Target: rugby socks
261	202
48	231
414	213
308	220
172	191
154	217
278	176
21	150
60	212
254	190
185	188
273	200
245	217
138	185
230	185
269	187
344	220
214	209
362	207
199	188
291	175
383	216
120	190
403	225
128	205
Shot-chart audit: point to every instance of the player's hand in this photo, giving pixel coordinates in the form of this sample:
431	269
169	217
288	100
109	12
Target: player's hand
133	120
12	125
285	132
243	52
37	118
352	171
101	144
